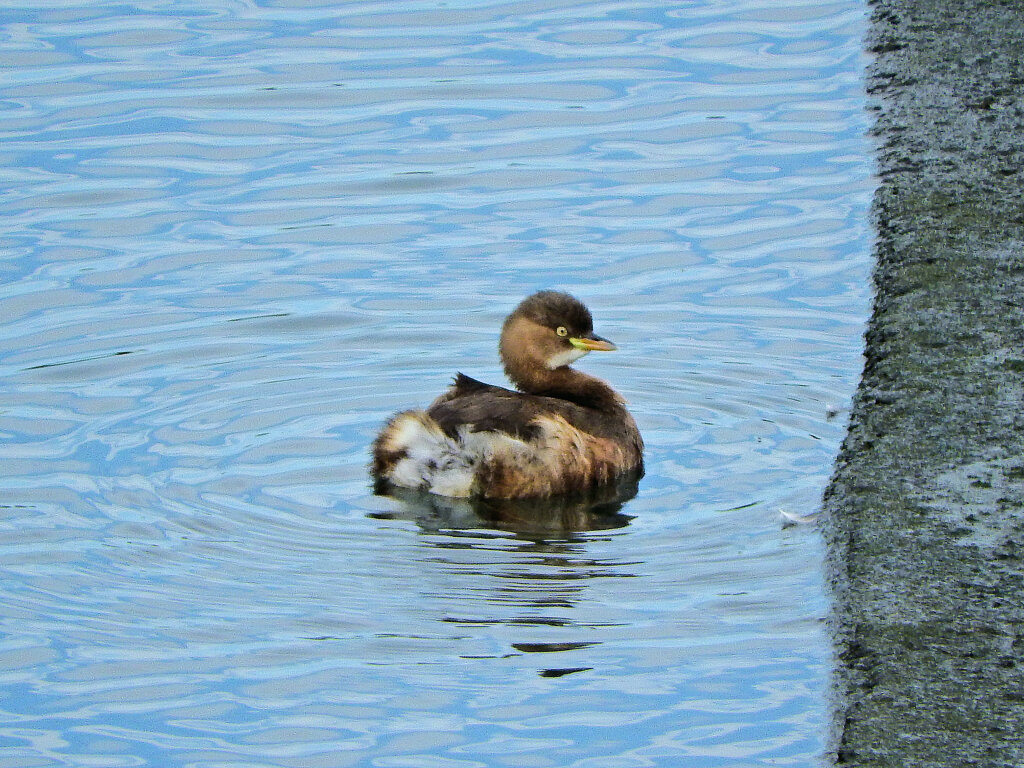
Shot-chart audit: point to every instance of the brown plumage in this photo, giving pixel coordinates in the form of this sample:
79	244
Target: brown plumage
562	432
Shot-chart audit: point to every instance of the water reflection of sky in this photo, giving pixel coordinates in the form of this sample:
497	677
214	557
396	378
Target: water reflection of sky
239	236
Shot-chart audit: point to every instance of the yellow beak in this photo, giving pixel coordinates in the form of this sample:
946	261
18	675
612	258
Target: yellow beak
592	343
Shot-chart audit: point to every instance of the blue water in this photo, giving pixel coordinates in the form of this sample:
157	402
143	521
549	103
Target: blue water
237	236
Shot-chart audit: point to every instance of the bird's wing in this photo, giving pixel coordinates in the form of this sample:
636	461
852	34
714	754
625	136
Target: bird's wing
484	407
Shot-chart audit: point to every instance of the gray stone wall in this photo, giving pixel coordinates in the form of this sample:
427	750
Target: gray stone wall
924	517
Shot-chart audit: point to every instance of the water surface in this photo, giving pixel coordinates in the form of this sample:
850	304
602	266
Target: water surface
237	236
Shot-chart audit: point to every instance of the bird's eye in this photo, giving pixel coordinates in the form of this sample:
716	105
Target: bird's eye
562	330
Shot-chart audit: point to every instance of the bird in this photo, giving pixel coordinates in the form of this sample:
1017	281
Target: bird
561	431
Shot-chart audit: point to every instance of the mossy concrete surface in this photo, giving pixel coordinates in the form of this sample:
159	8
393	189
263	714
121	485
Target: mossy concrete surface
924	517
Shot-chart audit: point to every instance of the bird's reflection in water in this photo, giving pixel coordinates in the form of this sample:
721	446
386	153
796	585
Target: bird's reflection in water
557	517
535	579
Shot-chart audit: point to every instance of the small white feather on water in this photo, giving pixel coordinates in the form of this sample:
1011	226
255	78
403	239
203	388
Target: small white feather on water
791	518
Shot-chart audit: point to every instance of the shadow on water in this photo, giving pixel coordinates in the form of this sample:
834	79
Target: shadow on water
547	518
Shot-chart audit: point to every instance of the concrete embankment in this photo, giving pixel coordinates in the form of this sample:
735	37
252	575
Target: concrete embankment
924	518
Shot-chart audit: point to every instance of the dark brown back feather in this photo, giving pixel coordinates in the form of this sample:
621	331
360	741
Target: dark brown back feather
484	407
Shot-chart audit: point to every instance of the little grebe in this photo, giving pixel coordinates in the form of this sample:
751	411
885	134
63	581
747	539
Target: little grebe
562	432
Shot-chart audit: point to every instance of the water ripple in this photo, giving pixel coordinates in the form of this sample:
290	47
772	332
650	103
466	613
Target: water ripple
240	236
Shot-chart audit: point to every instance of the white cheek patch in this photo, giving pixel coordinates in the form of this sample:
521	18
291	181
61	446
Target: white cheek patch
567	357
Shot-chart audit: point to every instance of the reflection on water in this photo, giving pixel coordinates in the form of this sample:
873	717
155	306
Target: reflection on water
239	236
557	517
